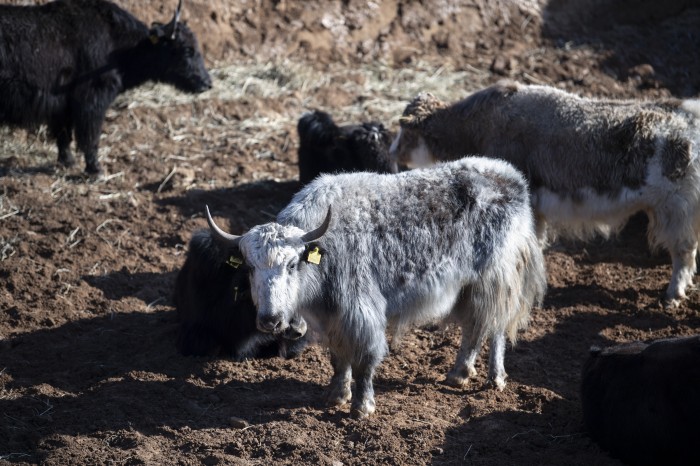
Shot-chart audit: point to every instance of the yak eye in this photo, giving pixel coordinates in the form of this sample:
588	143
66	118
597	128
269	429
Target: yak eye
292	266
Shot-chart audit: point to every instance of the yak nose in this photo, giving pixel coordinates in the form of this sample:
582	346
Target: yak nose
270	324
296	330
204	85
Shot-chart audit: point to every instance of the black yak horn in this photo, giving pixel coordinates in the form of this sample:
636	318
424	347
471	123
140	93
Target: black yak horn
219	234
318	232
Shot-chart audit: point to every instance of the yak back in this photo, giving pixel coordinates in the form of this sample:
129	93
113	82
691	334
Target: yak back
392	231
46	49
553	136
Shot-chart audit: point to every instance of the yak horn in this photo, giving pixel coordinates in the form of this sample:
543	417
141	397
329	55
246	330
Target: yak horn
219	234
171	27
318	232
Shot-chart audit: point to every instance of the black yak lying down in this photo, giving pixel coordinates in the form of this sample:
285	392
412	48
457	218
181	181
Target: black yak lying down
217	315
325	147
641	402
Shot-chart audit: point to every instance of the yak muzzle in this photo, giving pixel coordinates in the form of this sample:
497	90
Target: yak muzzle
271	324
202	85
297	329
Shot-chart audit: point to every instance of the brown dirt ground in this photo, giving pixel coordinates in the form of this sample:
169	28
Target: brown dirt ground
88	369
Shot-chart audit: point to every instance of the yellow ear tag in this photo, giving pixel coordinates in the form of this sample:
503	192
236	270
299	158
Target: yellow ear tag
234	262
154	39
314	256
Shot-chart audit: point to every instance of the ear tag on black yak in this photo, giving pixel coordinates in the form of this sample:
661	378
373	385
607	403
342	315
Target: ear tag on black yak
314	256
154	38
234	262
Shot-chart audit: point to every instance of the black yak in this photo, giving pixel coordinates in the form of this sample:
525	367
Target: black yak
641	401
217	315
63	63
325	147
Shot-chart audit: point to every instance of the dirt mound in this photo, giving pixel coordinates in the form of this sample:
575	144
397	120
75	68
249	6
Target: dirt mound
608	47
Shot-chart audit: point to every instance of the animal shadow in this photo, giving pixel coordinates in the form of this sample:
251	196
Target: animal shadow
121	372
246	205
148	287
636	36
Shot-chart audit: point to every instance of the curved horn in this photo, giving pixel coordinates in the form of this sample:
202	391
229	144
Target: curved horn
219	234
318	232
171	27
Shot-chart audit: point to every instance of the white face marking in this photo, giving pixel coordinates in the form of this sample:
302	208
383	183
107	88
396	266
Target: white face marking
420	155
416	156
691	105
273	252
395	146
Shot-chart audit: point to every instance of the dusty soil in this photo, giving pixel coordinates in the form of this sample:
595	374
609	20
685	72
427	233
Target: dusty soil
88	369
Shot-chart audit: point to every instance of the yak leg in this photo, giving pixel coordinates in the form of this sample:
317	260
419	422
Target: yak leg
62	133
683	259
88	118
673	225
497	371
466	358
371	341
88	128
363	401
338	392
472	339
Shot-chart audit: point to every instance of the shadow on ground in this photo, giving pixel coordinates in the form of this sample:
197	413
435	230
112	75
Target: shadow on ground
645	41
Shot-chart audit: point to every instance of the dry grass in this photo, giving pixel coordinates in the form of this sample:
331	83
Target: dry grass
382	92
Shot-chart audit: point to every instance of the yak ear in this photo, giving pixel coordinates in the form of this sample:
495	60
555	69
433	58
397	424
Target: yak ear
156	33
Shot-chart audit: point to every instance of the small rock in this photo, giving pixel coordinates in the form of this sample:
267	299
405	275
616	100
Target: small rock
238	422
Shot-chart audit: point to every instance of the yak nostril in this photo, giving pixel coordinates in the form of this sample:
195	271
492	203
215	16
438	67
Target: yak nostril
294	333
271	324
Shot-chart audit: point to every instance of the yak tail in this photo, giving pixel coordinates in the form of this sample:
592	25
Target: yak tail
533	281
514	283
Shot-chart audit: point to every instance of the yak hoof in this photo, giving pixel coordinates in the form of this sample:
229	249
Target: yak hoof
456	381
499	383
363	410
337	396
673	297
93	171
66	161
460	378
670	303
